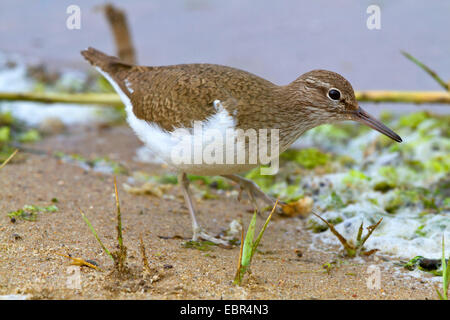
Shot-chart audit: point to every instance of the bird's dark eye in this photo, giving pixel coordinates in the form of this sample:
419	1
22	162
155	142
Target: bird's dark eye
334	94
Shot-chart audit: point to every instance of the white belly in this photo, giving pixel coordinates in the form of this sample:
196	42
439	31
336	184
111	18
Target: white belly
188	150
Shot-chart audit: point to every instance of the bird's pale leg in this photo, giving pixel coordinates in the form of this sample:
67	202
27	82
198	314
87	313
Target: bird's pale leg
198	233
184	183
253	190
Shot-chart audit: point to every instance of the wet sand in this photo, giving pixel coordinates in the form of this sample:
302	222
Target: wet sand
286	267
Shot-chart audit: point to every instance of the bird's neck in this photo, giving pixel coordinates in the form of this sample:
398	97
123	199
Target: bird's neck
282	108
294	115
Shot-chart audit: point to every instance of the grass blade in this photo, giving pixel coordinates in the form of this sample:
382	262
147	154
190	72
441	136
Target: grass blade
439	294
145	264
360	231
258	239
248	246
343	241
9	158
119	216
238	276
247	251
120	255
95	234
369	233
427	70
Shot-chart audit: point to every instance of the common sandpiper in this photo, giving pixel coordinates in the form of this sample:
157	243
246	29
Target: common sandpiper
164	104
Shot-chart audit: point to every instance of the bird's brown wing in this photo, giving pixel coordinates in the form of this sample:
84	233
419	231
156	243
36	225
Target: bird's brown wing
176	96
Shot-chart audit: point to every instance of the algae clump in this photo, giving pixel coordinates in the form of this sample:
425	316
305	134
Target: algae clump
308	158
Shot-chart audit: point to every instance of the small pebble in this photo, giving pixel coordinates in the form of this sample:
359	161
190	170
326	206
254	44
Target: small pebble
214	185
52	125
16	236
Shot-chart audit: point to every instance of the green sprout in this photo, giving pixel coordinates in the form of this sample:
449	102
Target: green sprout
351	249
119	256
248	246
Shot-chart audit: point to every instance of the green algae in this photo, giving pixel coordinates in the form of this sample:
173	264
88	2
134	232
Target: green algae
390	174
383	186
265	182
339	133
424	264
167	179
335	201
5	134
439	164
6	118
30	212
199	245
346	161
308	158
31	135
13	131
99	164
419	197
354	178
390	179
413	120
213	182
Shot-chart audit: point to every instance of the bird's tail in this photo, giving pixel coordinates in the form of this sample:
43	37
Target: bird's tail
108	64
112	68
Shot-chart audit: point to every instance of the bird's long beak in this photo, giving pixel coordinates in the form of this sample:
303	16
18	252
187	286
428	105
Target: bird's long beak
362	116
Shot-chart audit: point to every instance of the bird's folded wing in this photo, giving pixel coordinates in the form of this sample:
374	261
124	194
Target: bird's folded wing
174	99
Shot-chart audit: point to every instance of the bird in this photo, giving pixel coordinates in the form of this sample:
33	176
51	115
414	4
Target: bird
166	104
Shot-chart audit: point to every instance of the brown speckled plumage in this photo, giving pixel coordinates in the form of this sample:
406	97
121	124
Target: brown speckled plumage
175	96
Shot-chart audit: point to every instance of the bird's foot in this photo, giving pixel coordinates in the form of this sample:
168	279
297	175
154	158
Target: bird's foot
255	193
199	234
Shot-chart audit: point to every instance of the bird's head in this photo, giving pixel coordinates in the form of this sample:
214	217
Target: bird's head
328	97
